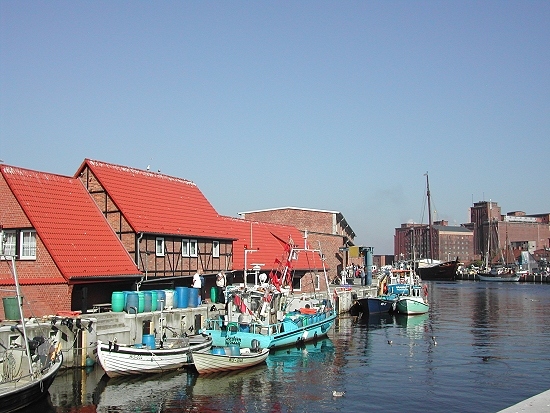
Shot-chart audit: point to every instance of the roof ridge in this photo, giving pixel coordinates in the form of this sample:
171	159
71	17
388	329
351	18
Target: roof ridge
122	168
16	170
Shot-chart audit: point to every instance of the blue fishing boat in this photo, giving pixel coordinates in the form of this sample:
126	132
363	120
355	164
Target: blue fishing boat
270	314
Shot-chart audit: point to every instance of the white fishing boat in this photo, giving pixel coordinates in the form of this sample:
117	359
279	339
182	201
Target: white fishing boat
124	360
219	360
27	369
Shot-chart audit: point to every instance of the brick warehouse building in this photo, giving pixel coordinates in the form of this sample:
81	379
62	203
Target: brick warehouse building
411	241
72	254
511	233
329	229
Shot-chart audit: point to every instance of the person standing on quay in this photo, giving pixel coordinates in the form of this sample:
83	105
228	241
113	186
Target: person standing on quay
220	285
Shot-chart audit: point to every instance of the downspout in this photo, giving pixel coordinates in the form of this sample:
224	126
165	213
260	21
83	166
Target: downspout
138	253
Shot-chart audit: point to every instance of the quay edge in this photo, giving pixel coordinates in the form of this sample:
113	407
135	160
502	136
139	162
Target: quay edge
537	403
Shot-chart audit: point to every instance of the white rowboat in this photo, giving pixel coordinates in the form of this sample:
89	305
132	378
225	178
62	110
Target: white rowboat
207	362
121	360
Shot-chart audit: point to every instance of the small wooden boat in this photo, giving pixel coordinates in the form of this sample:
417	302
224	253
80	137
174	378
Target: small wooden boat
23	389
500	278
377	305
412	305
123	360
217	360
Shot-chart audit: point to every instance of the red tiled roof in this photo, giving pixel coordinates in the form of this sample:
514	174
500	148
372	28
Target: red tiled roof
157	203
260	236
75	233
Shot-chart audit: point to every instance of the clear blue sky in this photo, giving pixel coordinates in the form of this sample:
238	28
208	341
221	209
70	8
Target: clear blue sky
336	105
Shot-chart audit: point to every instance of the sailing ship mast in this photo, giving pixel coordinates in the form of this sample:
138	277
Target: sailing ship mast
430	220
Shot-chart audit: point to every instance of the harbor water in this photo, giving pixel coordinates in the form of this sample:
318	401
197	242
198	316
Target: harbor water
482	347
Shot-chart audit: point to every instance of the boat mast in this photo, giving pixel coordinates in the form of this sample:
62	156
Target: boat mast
430	228
20	307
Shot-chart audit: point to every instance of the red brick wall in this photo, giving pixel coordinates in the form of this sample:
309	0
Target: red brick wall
313	221
319	227
42	299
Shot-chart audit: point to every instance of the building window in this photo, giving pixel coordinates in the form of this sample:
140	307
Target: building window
160	247
185	248
9	243
193	248
28	245
216	249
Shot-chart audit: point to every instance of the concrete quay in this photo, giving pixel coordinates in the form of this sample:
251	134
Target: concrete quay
538	403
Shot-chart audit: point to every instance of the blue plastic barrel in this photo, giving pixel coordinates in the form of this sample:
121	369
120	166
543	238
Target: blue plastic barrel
147	301
161	299
141	301
193	297
154	300
149	341
117	301
183	297
132	302
235	350
176	299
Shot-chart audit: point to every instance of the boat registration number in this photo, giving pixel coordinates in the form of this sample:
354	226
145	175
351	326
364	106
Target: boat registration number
232	340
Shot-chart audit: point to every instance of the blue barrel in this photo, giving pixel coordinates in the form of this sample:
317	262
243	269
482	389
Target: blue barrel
117	301
235	350
141	301
218	350
161	299
147	301
193	297
154	300
149	341
183	297
176	299
132	302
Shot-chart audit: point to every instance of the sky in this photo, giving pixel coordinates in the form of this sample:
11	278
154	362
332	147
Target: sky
331	105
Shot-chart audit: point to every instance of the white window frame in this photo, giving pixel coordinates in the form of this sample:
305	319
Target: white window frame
9	244
159	247
193	248
216	249
27	251
185	248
